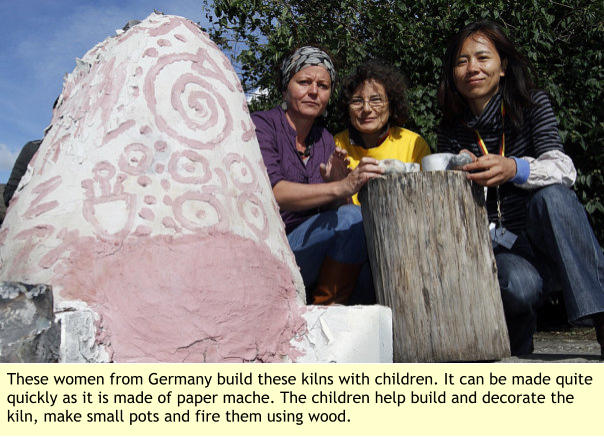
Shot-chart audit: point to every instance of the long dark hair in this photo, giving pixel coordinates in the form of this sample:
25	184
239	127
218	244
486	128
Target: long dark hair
391	79
515	87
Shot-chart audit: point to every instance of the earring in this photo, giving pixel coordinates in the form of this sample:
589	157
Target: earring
325	113
284	105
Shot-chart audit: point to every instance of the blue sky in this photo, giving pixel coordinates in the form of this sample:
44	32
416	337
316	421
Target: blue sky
40	41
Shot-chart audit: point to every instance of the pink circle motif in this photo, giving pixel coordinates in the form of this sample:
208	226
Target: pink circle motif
191	158
241	172
203	220
135	159
103	171
203	117
252	212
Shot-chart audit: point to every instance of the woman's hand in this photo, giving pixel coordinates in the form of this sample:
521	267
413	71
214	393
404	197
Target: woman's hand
367	169
293	196
491	170
336	167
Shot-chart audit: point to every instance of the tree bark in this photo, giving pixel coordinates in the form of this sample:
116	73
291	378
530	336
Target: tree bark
432	263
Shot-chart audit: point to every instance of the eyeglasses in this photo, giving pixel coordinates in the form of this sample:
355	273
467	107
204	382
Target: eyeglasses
376	102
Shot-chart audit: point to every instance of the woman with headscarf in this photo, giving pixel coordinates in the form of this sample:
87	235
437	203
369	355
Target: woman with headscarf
310	179
541	231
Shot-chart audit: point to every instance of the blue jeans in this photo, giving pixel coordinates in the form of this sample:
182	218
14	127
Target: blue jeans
559	243
339	234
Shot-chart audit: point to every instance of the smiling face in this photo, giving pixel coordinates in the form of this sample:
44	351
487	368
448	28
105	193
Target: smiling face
308	92
477	71
368	108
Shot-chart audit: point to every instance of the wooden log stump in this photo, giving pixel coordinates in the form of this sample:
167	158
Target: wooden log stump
432	262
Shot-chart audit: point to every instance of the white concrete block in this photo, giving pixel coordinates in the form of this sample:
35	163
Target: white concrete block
341	334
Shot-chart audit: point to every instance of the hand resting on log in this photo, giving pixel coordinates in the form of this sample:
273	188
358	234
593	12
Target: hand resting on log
293	196
489	170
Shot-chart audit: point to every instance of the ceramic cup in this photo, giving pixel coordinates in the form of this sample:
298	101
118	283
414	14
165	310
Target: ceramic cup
436	161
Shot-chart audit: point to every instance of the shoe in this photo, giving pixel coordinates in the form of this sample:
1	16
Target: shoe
336	282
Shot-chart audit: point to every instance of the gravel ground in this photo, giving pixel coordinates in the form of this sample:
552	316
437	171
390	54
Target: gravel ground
576	345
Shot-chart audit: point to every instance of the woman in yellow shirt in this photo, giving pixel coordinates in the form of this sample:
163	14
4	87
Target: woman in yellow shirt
374	99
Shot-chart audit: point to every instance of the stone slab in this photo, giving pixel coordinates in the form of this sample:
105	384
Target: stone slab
347	334
29	333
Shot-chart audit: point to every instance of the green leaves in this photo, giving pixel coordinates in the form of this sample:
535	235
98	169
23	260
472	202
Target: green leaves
562	39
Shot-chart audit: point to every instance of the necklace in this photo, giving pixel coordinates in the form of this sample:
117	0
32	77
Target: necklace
306	152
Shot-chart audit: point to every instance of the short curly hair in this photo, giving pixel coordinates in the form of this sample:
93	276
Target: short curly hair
391	79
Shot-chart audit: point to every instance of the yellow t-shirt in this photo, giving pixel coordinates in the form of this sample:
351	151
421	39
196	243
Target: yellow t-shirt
401	144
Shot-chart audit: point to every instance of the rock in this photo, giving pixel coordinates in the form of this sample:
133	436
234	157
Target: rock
459	160
395	166
29	333
149	211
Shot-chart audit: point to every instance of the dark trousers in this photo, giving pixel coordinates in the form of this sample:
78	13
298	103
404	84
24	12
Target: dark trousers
558	243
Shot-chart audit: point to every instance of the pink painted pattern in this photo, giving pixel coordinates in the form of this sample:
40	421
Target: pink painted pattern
199	212
37	207
136	159
111	135
116	197
209	108
157	205
198	167
151	52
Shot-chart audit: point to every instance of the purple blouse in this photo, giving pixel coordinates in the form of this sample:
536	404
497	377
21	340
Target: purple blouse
277	141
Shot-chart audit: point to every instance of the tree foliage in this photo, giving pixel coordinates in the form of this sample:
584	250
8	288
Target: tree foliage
562	39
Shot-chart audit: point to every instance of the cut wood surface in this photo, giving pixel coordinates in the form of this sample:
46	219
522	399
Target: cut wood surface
432	263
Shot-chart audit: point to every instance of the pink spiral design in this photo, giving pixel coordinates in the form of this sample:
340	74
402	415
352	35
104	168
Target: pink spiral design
197	114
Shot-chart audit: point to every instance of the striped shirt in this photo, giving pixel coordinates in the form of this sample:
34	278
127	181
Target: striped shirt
537	134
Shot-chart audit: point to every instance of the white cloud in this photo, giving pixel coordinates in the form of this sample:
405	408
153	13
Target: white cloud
7	158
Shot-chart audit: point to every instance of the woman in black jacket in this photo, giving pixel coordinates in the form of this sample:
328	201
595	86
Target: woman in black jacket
540	231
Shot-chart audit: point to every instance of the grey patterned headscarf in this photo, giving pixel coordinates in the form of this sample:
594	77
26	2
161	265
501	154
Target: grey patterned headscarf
303	57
